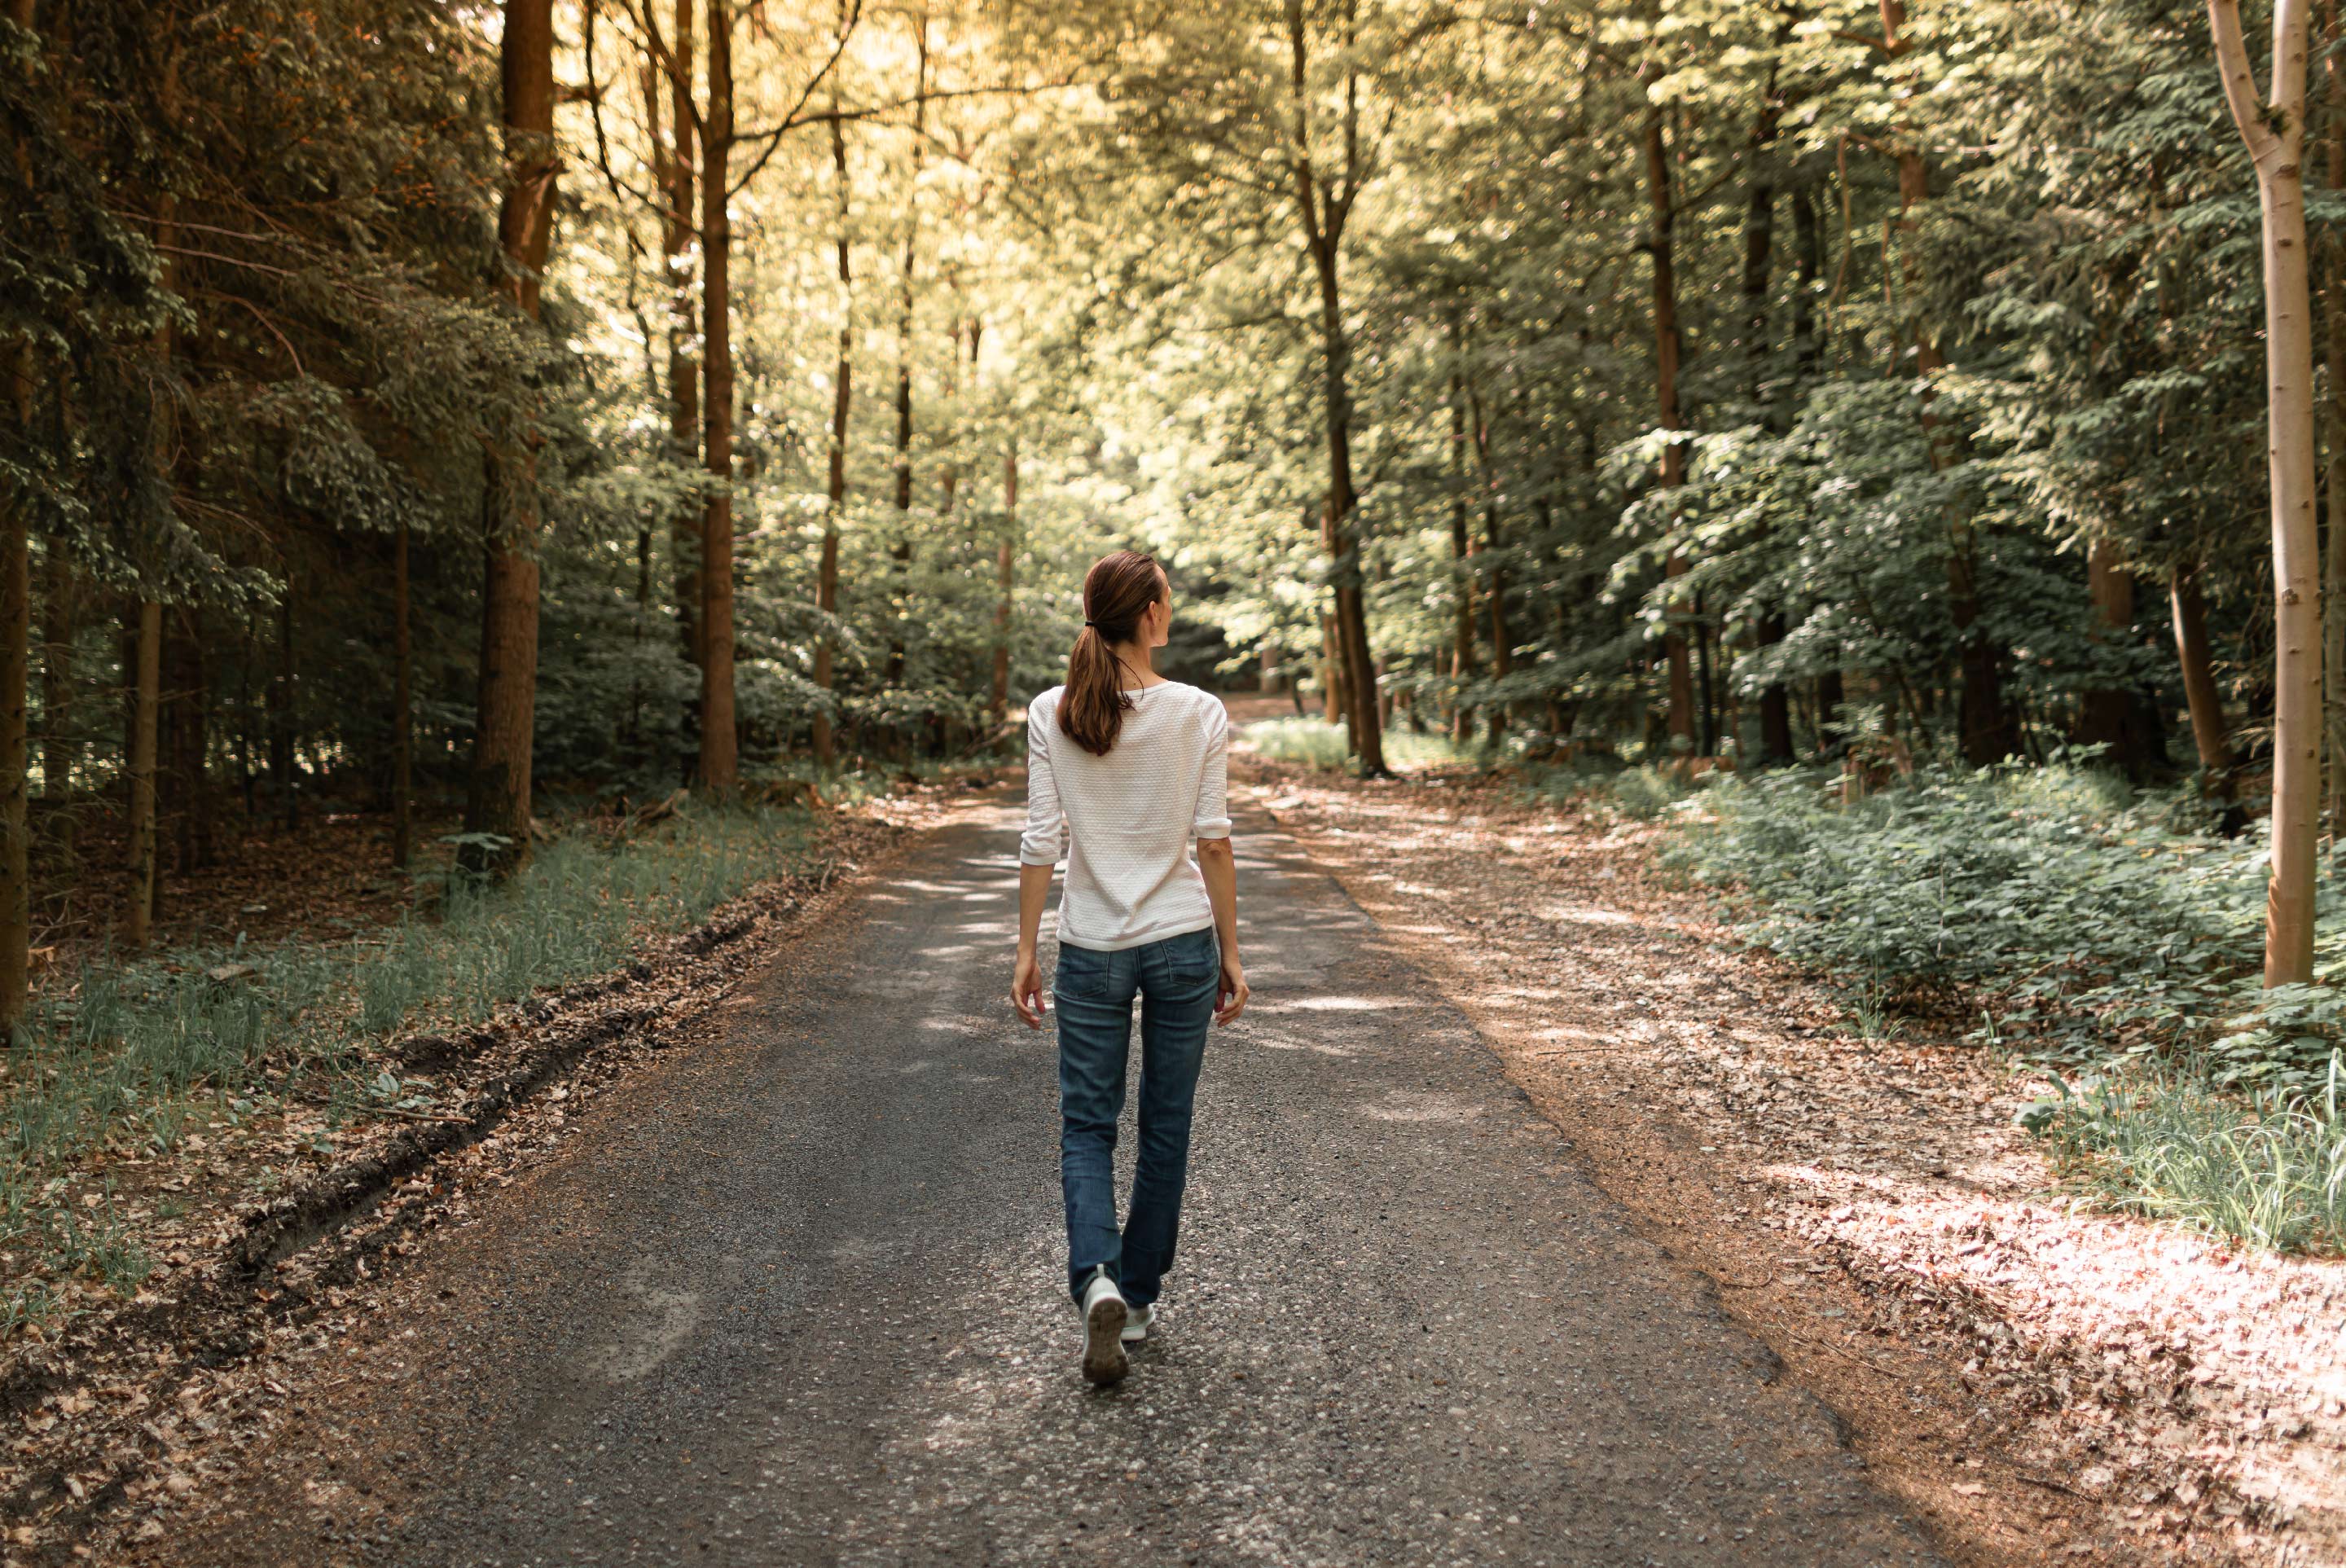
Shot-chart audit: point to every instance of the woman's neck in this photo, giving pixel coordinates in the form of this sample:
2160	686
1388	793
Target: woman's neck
1135	666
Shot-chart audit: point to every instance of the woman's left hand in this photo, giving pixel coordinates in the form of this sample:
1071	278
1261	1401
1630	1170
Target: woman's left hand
1026	990
1232	995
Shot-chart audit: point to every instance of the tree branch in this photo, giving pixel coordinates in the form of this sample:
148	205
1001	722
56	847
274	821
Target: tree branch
2239	79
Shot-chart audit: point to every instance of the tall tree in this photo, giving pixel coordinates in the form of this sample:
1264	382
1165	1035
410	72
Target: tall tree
1005	580
901	553
720	754
16	658
498	802
2274	129
826	580
1323	208
141	753
1662	247
1462	539
679	226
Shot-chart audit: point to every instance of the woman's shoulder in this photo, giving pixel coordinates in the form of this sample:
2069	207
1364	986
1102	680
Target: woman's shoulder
1044	702
1205	704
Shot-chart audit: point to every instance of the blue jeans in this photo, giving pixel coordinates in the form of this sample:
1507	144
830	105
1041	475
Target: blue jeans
1180	979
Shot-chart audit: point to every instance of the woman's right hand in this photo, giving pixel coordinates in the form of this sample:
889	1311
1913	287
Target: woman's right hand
1232	999
1026	990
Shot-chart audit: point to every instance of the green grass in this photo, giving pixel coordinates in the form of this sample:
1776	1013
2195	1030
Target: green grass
1318	744
136	1050
2269	1173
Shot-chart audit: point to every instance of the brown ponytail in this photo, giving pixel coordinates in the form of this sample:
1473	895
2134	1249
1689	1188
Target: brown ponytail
1117	591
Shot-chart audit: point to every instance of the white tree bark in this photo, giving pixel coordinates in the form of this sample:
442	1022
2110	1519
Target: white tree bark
2274	131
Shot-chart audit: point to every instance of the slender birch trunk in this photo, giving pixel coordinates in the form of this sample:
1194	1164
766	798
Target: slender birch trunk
2274	130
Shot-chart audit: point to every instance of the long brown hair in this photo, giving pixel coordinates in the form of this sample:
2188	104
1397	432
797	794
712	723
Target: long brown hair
1118	591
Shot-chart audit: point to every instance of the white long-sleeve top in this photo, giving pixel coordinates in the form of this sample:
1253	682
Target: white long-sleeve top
1132	815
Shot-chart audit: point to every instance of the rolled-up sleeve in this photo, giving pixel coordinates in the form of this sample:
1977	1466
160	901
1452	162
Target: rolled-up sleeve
1212	817
1045	842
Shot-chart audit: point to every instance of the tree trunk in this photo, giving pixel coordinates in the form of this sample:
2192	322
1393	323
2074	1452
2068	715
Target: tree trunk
679	228
1005	568
1335	708
900	607
147	683
16	640
276	699
1832	738
826	582
1775	746
1808	243
1323	216
16	659
2274	130
1759	263
498	800
403	712
2106	715
189	694
2334	560
60	748
2199	692
1462	550
1759	258
1662	246
719	745
1502	640
143	744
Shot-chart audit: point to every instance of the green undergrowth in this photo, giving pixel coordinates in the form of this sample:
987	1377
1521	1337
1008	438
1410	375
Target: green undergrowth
1318	744
1643	792
143	1051
2108	936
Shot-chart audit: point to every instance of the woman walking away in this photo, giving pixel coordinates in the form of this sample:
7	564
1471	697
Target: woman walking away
1128	766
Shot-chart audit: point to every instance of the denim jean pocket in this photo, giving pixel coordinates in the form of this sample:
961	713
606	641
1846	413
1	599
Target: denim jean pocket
1081	972
1192	958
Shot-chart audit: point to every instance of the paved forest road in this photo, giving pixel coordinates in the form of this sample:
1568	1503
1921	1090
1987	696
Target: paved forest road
794	1298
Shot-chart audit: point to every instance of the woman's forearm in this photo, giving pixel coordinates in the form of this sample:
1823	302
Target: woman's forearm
1033	892
1219	868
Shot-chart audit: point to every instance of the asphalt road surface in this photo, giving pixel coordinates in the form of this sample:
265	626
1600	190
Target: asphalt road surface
794	1297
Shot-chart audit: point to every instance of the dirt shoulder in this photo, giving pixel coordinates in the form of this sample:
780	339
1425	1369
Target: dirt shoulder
2042	1383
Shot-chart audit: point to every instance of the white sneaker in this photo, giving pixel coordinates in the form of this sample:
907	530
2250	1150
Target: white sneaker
1103	1319
1136	1321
